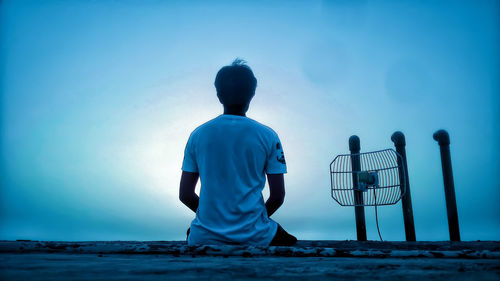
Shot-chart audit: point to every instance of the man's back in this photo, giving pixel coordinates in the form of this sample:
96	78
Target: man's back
232	154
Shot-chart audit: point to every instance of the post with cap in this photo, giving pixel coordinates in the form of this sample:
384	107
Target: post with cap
400	143
443	139
359	209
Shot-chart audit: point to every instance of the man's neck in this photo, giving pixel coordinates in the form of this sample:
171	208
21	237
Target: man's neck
235	110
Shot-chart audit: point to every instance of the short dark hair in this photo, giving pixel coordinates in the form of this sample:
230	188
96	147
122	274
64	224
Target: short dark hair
235	83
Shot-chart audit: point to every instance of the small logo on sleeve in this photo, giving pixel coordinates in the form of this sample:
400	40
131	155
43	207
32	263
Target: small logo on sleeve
282	158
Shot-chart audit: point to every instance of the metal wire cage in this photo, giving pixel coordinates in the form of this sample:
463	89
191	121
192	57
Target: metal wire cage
379	181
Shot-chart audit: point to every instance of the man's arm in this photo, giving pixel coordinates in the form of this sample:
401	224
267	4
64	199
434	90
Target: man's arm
276	193
186	190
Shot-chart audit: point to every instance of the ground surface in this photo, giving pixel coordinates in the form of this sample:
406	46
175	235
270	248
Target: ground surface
310	260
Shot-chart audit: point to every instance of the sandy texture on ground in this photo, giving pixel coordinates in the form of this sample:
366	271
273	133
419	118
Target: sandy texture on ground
374	249
56	266
308	260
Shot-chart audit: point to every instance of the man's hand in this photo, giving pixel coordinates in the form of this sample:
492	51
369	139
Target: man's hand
276	193
186	190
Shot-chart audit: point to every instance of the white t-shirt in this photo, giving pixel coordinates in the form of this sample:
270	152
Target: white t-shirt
233	154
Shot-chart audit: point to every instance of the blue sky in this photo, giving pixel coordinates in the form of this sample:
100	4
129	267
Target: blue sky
98	99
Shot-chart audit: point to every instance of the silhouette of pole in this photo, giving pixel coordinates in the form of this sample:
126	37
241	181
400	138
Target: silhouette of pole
443	140
400	143
359	209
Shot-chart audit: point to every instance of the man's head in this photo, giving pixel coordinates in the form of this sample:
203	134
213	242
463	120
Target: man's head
235	85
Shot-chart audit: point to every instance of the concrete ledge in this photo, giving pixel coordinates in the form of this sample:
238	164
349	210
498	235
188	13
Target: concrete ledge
368	249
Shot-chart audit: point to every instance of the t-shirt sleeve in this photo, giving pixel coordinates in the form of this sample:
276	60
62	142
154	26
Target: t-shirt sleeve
189	163
275	163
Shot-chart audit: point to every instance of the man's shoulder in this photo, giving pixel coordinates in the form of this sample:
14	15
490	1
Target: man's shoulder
203	126
249	123
264	128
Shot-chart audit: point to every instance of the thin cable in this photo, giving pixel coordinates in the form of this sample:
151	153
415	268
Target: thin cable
376	214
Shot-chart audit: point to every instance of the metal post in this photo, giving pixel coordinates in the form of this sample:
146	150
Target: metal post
443	140
359	209
400	143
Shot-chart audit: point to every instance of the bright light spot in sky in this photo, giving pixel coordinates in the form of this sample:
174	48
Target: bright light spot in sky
98	99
